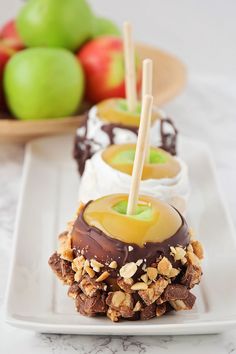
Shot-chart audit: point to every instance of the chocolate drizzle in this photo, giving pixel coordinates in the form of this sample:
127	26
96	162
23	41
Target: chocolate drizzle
168	140
109	130
95	244
85	148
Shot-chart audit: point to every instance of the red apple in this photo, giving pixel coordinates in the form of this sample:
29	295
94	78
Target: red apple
5	54
10	35
103	63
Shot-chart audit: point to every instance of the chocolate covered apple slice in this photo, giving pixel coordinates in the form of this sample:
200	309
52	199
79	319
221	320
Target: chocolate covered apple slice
108	171
123	266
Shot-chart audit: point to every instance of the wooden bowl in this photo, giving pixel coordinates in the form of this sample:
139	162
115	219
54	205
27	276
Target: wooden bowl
170	80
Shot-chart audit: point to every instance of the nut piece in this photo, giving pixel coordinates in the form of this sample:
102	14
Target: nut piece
86	263
190	248
155	290
179	253
125	284
144	278
113	265
174	272
64	248
139	262
128	270
78	275
164	266
89	286
122	302
137	306
90	272
192	259
103	276
117	299
78	263
198	249
139	286
95	263
113	314
172	251
152	273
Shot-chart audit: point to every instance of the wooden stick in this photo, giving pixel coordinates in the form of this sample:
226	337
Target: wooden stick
147	74
140	153
130	70
147	77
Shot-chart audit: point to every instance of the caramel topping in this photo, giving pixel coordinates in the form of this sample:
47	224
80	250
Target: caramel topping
154	221
115	110
161	163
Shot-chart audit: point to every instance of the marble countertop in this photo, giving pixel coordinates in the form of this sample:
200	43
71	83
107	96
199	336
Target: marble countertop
204	111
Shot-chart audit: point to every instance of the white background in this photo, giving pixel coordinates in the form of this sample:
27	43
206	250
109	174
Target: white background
202	34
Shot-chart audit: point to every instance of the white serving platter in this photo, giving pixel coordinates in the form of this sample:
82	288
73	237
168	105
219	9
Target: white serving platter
35	298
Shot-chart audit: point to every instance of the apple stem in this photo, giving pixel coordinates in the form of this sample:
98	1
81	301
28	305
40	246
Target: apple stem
140	153
147	90
130	70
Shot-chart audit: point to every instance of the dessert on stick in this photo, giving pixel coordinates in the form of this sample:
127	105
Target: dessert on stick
163	176
116	120
129	256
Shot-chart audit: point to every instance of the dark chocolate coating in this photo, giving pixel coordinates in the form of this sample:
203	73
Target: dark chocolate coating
168	140
97	245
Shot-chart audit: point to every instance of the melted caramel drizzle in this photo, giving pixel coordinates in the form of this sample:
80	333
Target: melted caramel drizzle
109	112
163	223
168	169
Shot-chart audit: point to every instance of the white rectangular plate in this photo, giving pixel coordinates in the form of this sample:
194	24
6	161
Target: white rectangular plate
36	300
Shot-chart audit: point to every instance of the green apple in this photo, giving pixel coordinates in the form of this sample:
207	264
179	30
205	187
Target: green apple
122	105
55	23
127	157
43	83
142	212
103	26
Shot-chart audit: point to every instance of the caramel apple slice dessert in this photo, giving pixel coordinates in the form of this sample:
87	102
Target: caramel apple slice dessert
128	266
109	122
129	256
108	171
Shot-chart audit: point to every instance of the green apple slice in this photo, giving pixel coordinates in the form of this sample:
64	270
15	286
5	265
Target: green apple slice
127	157
143	211
122	105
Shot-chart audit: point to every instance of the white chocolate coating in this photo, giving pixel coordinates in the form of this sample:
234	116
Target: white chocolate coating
100	179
